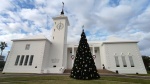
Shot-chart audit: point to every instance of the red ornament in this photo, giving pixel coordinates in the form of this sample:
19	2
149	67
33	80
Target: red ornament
94	56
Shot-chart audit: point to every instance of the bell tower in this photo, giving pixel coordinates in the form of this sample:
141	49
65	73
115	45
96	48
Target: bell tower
58	53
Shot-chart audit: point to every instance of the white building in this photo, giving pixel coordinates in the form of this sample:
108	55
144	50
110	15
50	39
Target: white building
39	55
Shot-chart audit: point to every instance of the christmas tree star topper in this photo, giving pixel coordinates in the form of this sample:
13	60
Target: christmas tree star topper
83	28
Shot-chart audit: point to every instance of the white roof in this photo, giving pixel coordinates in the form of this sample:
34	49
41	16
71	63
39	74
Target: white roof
37	37
94	42
109	40
118	40
90	42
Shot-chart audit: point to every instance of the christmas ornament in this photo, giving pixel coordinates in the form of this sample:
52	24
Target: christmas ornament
94	56
72	57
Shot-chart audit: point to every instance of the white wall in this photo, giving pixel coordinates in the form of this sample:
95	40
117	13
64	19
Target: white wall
103	56
98	58
69	60
18	48
125	49
46	57
59	47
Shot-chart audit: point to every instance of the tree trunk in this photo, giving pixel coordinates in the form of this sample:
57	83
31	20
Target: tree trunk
1	52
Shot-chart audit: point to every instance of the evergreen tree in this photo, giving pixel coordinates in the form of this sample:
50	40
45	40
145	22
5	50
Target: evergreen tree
84	66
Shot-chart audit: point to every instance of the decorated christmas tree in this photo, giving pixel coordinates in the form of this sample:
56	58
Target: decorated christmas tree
84	66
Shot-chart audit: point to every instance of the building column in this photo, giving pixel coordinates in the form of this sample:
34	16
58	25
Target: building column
72	60
93	50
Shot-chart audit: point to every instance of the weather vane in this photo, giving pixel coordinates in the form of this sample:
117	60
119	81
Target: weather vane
62	12
63	4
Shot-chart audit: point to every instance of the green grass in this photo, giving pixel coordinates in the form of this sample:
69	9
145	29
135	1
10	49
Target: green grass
68	80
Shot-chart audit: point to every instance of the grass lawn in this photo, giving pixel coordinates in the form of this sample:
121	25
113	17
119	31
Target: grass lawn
67	80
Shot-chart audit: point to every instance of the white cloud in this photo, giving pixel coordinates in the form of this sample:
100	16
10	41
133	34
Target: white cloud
128	19
5	5
33	15
40	1
141	22
7	38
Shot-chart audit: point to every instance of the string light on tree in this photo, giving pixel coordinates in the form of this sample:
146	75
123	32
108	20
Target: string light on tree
84	66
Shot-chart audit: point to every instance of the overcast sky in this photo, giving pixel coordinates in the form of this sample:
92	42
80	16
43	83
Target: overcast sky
126	19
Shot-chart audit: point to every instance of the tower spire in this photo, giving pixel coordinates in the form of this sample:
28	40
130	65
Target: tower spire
62	12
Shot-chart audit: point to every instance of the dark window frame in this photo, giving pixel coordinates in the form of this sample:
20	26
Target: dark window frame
26	60
17	59
131	61
22	59
31	60
124	61
117	61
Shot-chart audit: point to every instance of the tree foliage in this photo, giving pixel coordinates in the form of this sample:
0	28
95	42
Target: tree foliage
146	60
2	63
2	46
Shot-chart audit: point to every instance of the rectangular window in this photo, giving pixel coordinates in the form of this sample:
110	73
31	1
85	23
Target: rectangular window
26	60
21	61
17	60
117	61
124	61
95	51
31	59
27	47
131	61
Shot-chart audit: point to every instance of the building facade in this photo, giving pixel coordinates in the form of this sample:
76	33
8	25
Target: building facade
39	55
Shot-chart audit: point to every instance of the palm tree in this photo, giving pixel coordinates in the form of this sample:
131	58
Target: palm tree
2	46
